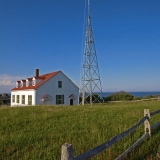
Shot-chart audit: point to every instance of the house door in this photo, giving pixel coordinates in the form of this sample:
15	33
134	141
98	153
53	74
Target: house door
29	99
46	102
71	102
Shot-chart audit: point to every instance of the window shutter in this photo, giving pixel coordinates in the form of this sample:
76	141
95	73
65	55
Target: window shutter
56	99
62	99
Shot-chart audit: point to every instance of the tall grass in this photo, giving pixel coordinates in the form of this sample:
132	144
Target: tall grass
39	132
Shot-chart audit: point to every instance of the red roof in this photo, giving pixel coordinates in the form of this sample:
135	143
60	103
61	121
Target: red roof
40	77
46	96
29	78
72	96
44	78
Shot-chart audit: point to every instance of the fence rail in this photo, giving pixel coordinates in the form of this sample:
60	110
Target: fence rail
132	147
67	150
155	112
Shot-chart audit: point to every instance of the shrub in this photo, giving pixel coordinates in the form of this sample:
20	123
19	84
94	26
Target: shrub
119	96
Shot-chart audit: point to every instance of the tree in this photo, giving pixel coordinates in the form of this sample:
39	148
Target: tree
119	96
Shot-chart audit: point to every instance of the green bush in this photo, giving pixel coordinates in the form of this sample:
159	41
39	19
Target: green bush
119	96
149	96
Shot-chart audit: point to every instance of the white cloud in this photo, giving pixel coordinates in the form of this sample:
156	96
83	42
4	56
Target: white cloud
7	82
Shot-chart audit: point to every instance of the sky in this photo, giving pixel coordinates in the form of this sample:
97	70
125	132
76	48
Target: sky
49	35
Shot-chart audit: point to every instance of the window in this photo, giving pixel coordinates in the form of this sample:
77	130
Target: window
29	99
13	98
23	99
17	98
59	99
59	84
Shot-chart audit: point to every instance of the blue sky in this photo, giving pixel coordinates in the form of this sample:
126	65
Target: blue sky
48	34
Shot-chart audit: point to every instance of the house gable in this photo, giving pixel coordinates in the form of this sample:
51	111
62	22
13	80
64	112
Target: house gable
70	80
51	87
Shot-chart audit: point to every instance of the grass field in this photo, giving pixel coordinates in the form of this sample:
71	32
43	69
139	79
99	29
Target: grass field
32	133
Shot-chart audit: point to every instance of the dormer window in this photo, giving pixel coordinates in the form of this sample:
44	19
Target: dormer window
59	84
33	82
18	84
36	80
23	83
28	82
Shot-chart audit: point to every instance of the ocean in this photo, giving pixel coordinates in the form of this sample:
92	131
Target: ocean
135	94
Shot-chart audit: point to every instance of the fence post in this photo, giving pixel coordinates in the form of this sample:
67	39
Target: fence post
67	152
83	97
147	126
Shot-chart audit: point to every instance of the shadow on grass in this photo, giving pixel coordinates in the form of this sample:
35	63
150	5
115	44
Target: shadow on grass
156	131
149	149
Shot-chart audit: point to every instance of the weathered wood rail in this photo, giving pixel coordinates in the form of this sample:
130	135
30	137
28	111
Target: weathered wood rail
67	150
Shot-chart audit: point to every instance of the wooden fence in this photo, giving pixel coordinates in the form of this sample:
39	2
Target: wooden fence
67	150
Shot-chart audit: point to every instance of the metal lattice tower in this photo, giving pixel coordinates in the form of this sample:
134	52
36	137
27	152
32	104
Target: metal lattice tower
90	81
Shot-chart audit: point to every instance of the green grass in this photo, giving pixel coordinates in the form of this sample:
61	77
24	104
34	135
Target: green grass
39	132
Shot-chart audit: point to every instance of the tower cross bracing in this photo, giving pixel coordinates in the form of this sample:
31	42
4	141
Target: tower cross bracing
90	80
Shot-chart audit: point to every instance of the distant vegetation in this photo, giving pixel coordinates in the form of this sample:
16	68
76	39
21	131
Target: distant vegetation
125	96
118	96
39	132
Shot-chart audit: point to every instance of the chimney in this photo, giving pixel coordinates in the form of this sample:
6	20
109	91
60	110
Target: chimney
37	72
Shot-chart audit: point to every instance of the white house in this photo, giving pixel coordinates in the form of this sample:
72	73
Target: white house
52	88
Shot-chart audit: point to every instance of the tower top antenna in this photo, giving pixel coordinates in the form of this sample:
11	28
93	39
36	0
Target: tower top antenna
89	7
